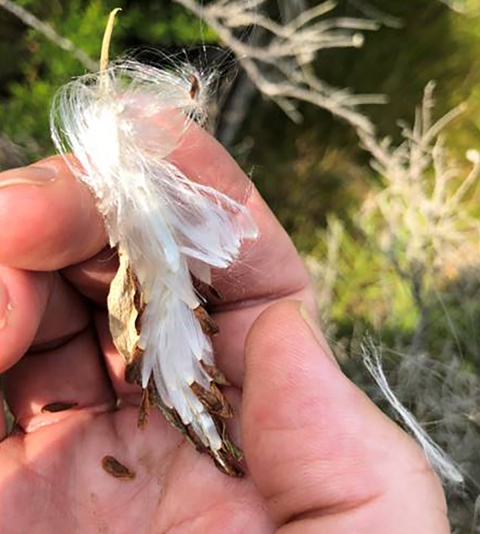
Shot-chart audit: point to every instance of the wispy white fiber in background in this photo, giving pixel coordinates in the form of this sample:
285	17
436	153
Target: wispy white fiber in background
440	461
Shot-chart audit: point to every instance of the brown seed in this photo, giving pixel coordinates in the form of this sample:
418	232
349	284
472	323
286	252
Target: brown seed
214	291
208	325
215	374
229	466
133	368
172	417
213	399
153	396
197	442
144	411
54	407
113	467
195	86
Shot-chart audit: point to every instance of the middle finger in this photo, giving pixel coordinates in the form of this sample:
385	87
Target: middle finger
42	310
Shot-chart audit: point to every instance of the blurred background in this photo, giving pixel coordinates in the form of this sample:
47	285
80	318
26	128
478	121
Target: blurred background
371	168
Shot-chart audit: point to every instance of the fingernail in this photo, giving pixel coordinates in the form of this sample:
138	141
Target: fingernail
317	333
5	306
31	175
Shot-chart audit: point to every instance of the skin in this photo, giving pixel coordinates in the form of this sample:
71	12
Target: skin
320	457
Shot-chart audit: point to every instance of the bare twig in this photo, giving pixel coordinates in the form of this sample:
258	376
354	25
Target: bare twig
374	13
31	20
281	67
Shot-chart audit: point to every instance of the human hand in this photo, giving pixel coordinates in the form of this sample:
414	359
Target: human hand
320	457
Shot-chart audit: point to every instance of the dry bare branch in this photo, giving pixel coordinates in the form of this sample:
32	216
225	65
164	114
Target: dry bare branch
372	12
423	189
281	67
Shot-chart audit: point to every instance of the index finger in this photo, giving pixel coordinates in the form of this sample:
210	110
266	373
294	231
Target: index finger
48	219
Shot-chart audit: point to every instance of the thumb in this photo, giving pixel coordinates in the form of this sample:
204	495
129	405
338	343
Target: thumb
324	457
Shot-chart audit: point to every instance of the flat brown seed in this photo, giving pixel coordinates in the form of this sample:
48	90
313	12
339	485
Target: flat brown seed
172	417
216	293
122	311
54	407
194	87
113	467
228	465
208	325
213	399
197	442
215	374
144	411
133	368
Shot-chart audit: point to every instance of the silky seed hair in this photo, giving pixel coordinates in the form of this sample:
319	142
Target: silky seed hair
121	124
439	460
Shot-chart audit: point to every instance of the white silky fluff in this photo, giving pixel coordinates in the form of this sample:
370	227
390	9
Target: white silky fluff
438	459
121	125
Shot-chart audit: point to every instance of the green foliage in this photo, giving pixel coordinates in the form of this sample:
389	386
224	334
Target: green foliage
368	293
169	26
24	117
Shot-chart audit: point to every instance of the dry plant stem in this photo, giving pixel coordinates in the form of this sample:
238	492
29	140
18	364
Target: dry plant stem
107	37
374	13
31	20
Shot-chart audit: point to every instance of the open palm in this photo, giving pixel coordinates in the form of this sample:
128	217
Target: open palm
319	456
